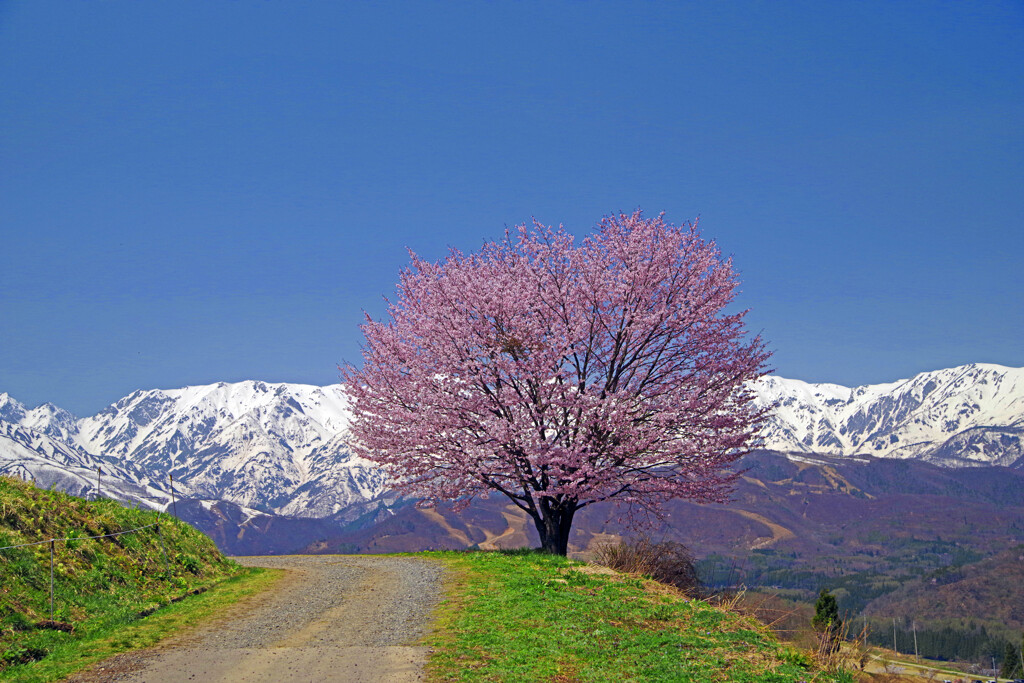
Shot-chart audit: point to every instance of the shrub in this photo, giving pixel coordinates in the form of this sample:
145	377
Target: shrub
22	655
667	562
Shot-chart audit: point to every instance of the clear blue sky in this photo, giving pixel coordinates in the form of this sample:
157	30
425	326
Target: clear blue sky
202	191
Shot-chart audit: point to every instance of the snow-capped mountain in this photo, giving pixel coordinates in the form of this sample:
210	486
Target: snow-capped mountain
35	445
968	415
279	447
47	419
335	480
271	447
253	443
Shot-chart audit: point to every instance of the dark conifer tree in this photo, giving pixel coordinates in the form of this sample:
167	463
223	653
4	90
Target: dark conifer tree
826	614
1011	662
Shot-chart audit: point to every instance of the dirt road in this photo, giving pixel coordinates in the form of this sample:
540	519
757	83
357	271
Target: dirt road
345	618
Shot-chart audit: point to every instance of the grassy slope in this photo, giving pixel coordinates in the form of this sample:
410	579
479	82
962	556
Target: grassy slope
530	617
100	586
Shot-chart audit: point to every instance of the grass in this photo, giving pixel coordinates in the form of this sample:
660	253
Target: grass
101	587
508	616
524	616
74	655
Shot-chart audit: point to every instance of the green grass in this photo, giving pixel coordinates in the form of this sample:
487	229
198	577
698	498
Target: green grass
67	657
512	616
531	617
101	586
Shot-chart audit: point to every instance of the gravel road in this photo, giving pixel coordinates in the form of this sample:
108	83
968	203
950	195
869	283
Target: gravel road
352	618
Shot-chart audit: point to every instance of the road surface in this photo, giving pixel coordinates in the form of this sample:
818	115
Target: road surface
352	618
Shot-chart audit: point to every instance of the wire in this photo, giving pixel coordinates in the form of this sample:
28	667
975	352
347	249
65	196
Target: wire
80	538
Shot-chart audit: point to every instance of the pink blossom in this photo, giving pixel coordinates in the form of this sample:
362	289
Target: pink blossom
562	374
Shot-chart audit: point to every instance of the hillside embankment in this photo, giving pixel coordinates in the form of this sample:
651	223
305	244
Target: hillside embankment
74	573
523	616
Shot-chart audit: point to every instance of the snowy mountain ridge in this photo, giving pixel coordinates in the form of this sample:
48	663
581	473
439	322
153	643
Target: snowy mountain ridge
280	447
979	407
256	444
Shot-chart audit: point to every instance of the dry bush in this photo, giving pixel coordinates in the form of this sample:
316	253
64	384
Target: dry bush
788	619
843	649
667	562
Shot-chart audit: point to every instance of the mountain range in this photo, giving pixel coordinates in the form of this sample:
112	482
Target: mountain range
279	448
903	498
962	416
269	447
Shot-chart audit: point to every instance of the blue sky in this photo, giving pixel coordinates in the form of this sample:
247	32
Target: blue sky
201	191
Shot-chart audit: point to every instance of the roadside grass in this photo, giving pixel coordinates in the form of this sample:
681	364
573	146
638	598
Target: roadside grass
100	585
70	655
526	616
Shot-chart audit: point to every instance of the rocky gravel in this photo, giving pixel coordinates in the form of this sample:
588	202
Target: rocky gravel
332	618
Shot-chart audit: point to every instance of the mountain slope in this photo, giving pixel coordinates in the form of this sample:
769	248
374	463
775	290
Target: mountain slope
30	455
46	419
38	444
270	447
253	443
952	417
279	448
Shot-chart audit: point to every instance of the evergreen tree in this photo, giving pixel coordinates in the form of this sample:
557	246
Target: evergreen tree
1011	662
826	615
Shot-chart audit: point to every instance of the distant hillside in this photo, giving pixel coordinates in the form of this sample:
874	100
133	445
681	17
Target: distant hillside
993	587
780	504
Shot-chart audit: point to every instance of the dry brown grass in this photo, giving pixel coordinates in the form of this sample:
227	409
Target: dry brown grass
667	562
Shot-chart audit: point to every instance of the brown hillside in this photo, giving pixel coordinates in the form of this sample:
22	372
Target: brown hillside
993	587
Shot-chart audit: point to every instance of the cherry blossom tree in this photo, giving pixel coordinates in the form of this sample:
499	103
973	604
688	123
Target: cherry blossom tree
562	374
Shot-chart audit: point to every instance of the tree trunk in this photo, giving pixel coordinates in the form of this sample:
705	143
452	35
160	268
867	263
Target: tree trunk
554	522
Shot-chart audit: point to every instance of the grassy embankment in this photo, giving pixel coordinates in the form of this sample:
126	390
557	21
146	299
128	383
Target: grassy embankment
102	587
530	617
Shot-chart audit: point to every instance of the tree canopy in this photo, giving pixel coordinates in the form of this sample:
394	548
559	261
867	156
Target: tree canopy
561	374
826	614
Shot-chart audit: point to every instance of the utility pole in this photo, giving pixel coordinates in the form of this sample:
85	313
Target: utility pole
894	636
174	505
917	658
51	579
